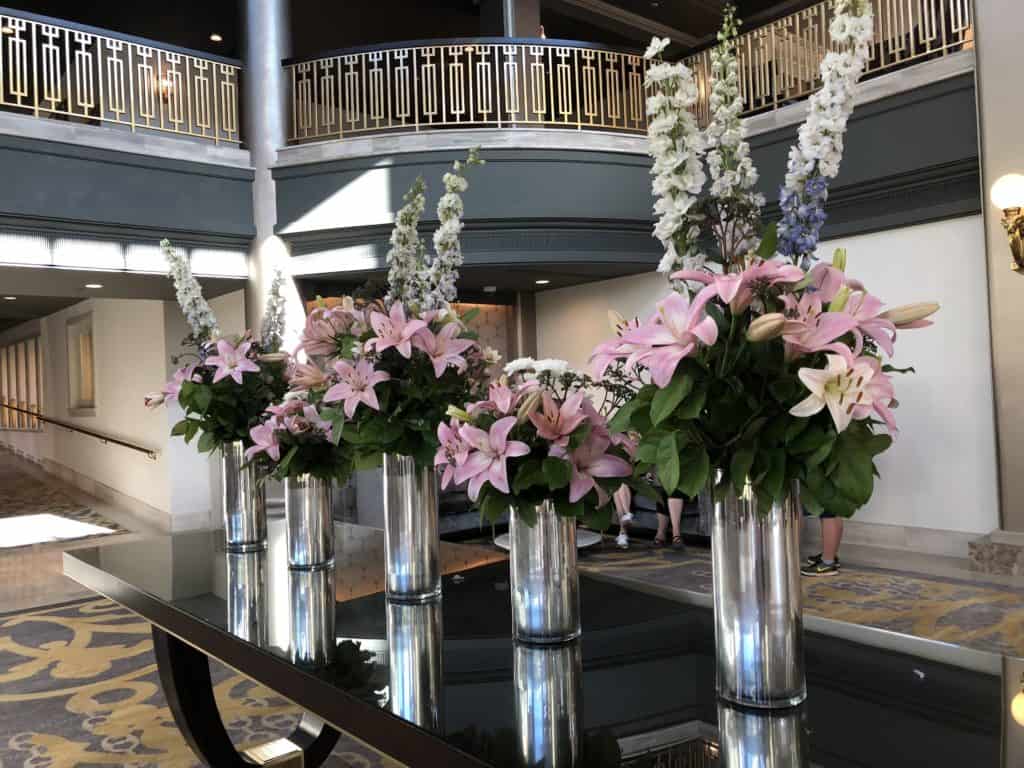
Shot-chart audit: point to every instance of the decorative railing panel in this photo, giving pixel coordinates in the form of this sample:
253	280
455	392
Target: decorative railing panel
60	70
498	83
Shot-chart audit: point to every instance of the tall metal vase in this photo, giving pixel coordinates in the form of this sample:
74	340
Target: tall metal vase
549	705
312	640
243	500
310	524
750	738
415	639
411	536
545	582
758	600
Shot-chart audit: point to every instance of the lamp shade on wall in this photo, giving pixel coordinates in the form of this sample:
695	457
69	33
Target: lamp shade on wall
1008	192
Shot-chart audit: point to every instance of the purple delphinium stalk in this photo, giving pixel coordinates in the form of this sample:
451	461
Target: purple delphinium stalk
803	216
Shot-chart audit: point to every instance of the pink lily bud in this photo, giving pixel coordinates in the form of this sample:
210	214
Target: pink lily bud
528	406
911	315
273	357
766	327
154	399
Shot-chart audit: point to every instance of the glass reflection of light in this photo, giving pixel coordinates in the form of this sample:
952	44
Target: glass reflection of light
415	636
761	738
247	595
549	704
311	611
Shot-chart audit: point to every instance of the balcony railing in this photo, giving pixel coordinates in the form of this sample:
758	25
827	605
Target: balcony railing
56	69
505	83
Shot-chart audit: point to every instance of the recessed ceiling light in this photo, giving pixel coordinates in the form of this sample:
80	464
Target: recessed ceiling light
216	38
94	285
490	289
542	282
10	298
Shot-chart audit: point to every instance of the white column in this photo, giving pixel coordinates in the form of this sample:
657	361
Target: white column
1001	122
521	18
266	41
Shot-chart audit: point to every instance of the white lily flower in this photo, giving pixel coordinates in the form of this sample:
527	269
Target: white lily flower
658	44
841	387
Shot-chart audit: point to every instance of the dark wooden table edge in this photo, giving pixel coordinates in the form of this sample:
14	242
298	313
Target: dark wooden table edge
381	730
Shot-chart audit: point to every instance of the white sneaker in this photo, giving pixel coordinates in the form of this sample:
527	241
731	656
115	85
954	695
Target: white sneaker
626	517
622	541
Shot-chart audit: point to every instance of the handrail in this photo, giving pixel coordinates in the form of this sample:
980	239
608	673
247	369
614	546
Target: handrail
150	453
527	83
53	68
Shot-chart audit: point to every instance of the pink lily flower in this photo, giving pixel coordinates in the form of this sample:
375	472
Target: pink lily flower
737	288
843	387
608	352
865	310
590	461
231	361
324	326
501	399
172	388
808	329
306	376
288	407
356	385
394	330
881	391
672	334
556	423
825	281
443	348
452	451
486	460
264	438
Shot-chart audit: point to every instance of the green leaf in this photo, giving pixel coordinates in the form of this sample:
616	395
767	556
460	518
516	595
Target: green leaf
557	472
470	315
666	400
202	396
769	242
180	428
620	421
566	509
739	468
368	460
691	407
647	453
190	430
282	468
694	469
528	475
774	479
207	442
668	463
819	455
811	440
598	519
495	505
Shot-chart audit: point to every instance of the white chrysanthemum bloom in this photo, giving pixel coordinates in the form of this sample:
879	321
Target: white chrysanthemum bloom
519	365
198	315
551	365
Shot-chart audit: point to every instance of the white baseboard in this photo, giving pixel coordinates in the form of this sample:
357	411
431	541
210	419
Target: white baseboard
929	541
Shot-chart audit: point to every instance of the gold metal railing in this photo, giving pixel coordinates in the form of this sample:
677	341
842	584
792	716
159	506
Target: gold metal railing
499	83
57	69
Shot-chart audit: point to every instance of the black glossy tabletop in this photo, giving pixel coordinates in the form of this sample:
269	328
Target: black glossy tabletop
637	689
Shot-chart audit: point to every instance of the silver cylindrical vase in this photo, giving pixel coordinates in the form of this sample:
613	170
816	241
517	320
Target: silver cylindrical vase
243	501
752	738
310	524
311	611
758	600
549	704
411	536
247	595
415	635
545	581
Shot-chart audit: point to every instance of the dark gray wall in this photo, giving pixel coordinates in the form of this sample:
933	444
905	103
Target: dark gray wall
910	158
117	193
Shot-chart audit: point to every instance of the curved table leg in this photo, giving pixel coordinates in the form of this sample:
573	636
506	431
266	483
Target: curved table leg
185	676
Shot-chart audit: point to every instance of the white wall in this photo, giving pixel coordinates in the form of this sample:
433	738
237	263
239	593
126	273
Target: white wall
129	355
941	471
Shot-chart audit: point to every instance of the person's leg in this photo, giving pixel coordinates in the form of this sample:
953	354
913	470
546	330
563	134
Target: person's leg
675	511
623	501
831	538
659	537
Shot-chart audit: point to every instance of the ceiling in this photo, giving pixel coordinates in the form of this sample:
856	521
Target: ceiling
41	291
318	25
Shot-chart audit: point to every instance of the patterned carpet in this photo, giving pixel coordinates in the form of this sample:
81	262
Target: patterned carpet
79	687
24	494
982	616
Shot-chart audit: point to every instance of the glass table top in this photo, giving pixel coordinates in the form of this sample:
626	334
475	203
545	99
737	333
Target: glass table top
637	689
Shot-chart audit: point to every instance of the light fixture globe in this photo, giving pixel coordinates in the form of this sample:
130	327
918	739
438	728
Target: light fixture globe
1008	192
1017	708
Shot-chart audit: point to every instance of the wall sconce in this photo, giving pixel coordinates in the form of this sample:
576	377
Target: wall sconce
1008	196
1017	705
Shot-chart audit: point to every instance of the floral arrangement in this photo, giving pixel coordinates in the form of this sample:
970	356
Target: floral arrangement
381	374
763	365
537	436
227	382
